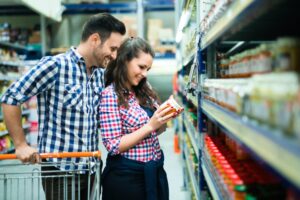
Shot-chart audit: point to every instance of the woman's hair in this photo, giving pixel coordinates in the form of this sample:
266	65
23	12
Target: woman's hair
117	73
103	24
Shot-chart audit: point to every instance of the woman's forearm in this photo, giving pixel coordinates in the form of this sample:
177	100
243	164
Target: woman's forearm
132	139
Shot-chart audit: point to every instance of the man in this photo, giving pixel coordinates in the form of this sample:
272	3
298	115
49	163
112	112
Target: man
68	90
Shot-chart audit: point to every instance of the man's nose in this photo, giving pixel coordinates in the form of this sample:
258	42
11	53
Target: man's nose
114	55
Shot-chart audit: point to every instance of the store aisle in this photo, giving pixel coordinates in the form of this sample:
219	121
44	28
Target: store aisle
173	165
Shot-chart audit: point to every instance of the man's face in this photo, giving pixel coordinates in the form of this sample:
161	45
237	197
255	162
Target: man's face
107	51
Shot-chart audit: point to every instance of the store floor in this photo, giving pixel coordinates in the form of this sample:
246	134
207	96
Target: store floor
173	166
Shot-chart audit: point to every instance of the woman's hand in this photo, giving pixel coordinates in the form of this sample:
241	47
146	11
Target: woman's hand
160	117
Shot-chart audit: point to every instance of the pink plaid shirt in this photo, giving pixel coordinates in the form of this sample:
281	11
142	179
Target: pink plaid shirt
116	122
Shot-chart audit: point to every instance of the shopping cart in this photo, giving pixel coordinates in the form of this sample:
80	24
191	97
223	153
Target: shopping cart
45	181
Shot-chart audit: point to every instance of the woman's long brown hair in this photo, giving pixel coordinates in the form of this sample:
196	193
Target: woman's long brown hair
117	73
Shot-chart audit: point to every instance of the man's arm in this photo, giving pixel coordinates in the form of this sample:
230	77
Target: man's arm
39	79
13	120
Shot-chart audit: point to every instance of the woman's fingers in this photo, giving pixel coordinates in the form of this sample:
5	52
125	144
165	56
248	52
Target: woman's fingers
162	108
167	117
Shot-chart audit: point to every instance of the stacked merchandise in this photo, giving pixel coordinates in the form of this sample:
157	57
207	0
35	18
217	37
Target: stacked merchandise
247	97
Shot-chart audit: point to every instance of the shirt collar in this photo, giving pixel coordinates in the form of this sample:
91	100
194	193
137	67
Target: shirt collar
75	55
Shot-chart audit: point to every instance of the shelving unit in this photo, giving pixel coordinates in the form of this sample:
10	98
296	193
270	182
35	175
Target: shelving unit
32	8
11	71
194	183
25	7
3	133
237	27
129	7
192	133
261	141
210	182
138	8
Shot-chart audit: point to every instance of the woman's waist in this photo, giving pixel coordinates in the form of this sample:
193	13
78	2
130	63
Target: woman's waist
143	154
120	161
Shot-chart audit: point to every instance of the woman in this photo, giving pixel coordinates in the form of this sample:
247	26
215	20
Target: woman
130	127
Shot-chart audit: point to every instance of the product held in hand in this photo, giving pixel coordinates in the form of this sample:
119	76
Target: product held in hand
176	108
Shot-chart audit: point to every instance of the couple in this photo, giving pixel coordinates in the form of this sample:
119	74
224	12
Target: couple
74	102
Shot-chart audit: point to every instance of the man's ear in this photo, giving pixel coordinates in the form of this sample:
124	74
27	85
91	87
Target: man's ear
95	39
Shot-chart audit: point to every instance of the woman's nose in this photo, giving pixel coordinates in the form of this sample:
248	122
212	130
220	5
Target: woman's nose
144	73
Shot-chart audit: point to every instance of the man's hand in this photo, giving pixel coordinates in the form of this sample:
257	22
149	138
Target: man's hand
27	154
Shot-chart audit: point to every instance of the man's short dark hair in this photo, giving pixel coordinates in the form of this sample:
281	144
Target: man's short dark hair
103	24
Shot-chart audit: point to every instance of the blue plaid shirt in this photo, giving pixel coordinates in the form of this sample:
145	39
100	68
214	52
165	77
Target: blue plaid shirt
67	104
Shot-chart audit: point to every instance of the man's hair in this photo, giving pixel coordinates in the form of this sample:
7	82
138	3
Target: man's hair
103	24
117	72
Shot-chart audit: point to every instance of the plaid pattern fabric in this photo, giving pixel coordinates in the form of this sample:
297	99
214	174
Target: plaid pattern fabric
68	101
116	122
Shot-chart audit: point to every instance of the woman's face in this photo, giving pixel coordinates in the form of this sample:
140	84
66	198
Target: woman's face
138	68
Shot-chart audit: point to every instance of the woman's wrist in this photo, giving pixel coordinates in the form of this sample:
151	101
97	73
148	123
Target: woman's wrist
148	128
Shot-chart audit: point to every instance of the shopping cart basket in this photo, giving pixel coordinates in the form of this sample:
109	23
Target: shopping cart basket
28	181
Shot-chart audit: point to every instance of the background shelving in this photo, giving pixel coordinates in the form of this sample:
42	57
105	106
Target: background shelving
262	141
229	34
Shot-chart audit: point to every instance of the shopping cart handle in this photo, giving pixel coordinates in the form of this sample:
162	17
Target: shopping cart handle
57	155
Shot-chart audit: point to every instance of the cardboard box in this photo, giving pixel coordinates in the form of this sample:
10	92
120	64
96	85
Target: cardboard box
131	25
35	37
154	26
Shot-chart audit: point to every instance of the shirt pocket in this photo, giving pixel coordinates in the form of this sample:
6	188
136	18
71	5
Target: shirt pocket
73	96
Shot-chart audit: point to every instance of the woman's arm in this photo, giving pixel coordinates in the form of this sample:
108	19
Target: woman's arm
159	118
111	125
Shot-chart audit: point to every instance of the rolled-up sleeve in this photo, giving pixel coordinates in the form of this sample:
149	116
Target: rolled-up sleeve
110	122
38	79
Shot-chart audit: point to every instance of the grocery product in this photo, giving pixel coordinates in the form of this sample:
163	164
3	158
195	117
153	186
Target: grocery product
171	102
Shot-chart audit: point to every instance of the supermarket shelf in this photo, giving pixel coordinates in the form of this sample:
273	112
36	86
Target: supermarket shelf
25	112
239	21
195	185
3	133
210	182
192	132
19	63
130	7
224	23
11	63
8	78
164	56
263	143
162	5
32	7
9	10
8	150
12	46
92	8
193	99
189	59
